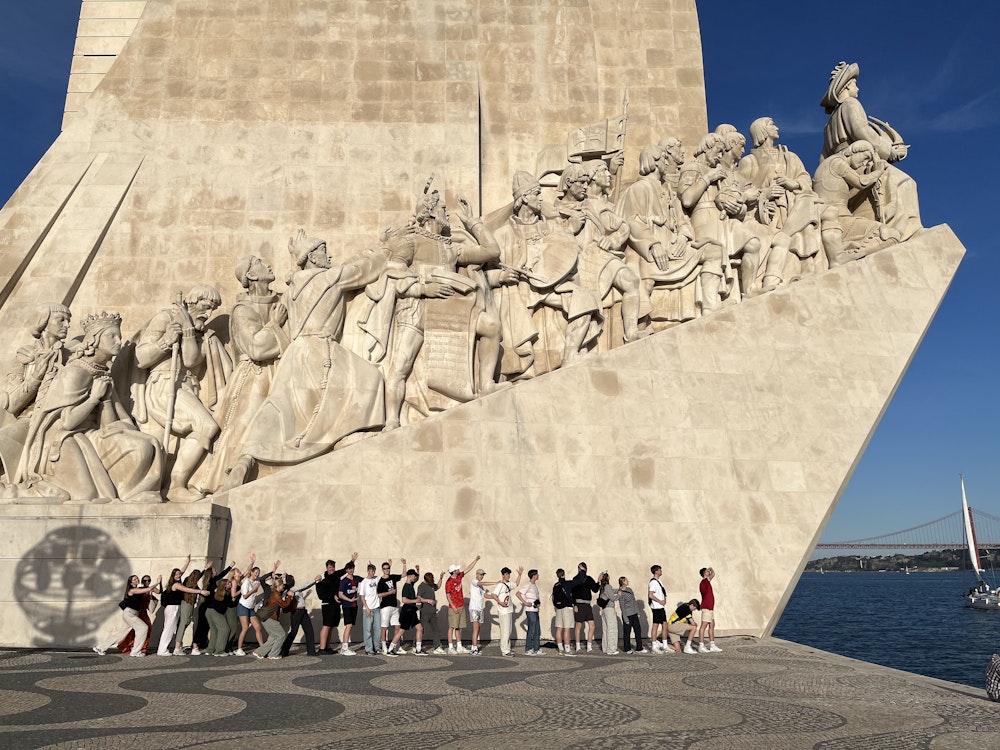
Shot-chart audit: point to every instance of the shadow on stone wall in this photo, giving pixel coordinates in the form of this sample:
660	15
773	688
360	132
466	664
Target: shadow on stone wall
68	583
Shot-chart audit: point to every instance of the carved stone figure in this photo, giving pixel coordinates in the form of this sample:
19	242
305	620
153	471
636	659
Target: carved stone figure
321	391
538	267
893	200
39	363
717	207
602	239
258	338
745	196
787	201
681	274
422	301
82	444
839	180
186	367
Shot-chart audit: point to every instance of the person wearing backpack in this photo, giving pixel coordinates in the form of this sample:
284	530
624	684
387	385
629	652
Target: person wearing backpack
657	609
562	601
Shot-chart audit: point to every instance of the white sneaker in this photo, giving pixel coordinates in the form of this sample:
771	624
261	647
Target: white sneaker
688	649
703	649
140	655
98	650
640	651
347	652
714	649
163	653
419	652
462	649
590	647
439	650
195	651
239	652
656	647
452	650
614	653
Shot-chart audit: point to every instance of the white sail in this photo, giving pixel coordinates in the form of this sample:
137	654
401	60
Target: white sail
969	536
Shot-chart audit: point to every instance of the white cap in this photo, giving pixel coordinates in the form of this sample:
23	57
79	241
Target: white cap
453	568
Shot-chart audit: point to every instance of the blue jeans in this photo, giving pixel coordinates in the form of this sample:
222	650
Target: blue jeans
371	626
532	641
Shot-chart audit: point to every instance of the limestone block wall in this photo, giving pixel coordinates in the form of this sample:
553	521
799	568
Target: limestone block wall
64	567
724	442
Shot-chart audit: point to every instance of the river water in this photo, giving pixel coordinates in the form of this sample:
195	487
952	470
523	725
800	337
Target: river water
915	622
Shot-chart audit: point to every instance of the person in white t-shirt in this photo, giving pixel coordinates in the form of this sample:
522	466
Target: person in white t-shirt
503	595
477	603
371	619
657	608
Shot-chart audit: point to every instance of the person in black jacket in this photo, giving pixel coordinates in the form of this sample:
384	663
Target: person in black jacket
583	589
562	601
328	591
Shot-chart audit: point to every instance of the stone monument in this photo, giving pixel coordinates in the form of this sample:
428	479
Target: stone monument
611	352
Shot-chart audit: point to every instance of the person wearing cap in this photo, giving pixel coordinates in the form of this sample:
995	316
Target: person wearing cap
529	596
389	601
409	614
583	588
456	606
538	266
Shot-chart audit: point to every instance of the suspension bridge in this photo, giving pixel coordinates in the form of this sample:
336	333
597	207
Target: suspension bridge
943	533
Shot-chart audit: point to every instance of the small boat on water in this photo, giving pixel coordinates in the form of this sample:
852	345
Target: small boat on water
980	596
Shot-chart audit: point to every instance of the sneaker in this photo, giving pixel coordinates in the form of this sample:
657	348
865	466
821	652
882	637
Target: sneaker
369	653
578	649
703	649
385	650
614	653
590	647
439	650
629	652
714	649
140	655
257	655
688	649
98	650
327	651
347	652
275	657
641	651
568	653
451	650
476	651
463	650
419	652
239	652
163	653
656	647
390	654
401	650
195	651
509	653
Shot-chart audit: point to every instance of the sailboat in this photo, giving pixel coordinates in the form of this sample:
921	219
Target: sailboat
980	597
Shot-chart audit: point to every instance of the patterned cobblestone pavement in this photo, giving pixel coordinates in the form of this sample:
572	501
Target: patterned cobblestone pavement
755	695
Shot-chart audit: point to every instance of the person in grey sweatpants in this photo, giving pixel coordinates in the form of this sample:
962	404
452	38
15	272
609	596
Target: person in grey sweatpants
609	616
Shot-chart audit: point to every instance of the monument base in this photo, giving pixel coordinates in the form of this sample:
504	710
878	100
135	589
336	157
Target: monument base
67	564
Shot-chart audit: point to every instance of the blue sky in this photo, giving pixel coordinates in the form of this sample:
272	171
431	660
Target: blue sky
933	71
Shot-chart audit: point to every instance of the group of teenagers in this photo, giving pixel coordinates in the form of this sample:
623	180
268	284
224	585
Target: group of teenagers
221	609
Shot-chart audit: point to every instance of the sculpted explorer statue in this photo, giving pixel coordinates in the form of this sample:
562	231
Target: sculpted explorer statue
893	200
38	363
839	180
186	368
717	207
538	268
602	252
682	275
82	444
321	391
787	202
422	302
258	336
